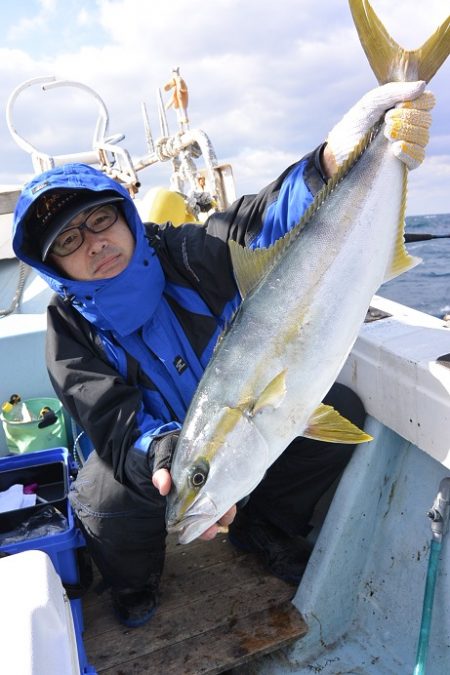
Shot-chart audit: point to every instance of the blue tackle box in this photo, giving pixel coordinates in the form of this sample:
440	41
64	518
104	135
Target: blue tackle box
49	471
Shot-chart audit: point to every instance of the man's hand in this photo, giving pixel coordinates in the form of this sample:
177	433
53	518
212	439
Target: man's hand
162	481
407	124
226	520
163	448
407	127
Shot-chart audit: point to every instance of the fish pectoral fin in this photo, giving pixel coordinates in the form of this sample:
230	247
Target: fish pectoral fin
272	395
326	424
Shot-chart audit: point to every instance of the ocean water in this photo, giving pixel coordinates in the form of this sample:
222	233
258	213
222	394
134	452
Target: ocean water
427	286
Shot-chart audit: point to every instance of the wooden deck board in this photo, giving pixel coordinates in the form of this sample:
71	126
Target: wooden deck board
219	608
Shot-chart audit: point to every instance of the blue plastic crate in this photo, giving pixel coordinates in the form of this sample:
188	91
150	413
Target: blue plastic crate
48	468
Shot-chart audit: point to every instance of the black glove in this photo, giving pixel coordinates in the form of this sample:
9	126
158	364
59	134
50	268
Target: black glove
163	449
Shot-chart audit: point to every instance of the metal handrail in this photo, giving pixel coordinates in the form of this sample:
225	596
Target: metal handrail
182	148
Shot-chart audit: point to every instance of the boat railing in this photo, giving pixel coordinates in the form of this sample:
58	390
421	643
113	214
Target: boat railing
113	159
183	148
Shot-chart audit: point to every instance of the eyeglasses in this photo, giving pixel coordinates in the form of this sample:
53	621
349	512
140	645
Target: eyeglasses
98	220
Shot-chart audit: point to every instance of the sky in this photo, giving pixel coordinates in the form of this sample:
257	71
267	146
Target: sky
267	81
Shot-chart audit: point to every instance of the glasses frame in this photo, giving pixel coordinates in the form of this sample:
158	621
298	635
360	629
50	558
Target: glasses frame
84	226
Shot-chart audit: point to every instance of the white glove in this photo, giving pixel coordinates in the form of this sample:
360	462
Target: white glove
406	125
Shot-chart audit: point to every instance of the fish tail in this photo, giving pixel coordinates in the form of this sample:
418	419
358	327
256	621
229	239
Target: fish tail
388	60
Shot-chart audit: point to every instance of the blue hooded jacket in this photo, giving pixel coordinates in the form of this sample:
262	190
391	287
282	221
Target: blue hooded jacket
125	354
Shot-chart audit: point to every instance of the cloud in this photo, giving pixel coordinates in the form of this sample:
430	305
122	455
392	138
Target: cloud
429	186
28	25
265	84
83	18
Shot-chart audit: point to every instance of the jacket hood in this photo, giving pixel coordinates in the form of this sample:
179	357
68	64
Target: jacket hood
124	302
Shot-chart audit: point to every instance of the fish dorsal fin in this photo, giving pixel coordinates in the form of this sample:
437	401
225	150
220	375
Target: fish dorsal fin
250	266
401	261
388	60
326	424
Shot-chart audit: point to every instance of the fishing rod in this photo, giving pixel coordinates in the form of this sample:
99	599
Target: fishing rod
423	236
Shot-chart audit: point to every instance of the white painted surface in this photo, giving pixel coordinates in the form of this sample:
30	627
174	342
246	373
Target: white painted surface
36	625
393	367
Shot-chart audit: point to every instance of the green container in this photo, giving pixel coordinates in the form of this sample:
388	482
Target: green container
24	437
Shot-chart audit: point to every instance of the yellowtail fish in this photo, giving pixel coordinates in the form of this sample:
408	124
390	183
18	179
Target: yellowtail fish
286	345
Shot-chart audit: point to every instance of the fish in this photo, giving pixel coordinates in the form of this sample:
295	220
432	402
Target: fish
286	345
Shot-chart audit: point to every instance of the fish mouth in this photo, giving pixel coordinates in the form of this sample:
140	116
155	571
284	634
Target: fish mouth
192	525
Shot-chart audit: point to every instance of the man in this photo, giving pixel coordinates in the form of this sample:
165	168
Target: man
137	312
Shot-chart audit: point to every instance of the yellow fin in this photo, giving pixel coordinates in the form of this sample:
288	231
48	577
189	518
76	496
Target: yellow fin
272	395
251	265
434	51
401	261
389	61
326	424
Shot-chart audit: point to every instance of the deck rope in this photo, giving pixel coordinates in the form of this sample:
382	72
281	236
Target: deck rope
24	270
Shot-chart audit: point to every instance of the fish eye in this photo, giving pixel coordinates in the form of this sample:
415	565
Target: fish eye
199	473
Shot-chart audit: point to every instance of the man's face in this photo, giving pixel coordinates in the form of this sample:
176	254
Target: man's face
102	255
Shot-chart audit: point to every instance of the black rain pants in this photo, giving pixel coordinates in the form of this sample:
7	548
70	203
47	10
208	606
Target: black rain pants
125	531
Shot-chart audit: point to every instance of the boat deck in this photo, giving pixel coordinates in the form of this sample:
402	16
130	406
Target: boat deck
219	608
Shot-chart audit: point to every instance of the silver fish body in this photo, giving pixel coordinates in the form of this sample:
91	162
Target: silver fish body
288	324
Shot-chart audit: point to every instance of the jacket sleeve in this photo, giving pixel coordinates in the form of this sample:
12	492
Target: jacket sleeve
105	404
259	220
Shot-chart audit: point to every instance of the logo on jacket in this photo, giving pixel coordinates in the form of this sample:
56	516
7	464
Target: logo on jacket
180	364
